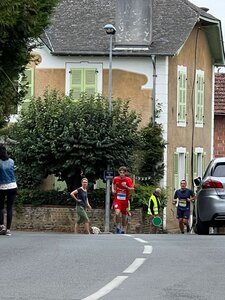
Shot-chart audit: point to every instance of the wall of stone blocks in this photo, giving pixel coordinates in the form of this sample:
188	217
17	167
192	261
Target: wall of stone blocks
62	219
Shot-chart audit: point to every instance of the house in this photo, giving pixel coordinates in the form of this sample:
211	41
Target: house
219	115
164	53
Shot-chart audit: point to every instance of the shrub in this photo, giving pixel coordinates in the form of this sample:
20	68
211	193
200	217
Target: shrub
96	197
141	195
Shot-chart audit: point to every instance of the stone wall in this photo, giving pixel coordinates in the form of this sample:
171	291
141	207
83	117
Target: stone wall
62	219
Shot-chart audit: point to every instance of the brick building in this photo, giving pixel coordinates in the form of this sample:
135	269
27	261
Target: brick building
219	115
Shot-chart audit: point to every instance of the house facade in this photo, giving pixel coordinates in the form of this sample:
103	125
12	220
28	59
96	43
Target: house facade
164	53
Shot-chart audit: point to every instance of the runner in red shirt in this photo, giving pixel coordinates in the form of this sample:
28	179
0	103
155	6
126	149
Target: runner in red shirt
122	185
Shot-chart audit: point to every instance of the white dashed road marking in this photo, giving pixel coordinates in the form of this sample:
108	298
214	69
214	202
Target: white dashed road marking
135	265
141	241
147	249
119	279
107	288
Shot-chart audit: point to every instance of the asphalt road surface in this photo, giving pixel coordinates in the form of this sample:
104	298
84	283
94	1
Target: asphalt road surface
51	266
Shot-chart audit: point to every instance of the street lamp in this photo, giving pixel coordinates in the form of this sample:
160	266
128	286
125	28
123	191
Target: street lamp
111	30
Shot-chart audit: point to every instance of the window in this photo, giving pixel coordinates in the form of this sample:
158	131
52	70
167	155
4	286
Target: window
198	163
199	98
83	78
181	95
180	166
219	170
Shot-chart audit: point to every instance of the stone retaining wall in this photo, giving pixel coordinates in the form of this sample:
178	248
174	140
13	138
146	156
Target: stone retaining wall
62	219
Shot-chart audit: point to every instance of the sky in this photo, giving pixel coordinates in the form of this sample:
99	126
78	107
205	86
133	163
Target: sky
216	8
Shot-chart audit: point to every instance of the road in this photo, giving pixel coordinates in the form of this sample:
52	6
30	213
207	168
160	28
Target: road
51	266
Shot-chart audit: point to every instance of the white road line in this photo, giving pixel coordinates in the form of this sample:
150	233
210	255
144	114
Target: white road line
107	288
147	249
140	240
135	265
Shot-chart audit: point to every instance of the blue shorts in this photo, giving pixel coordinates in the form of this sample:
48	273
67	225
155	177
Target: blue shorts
183	214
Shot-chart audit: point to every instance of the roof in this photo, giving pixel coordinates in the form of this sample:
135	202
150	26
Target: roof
219	94
77	27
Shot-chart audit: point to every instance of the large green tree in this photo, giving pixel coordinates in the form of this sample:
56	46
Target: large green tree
21	23
60	136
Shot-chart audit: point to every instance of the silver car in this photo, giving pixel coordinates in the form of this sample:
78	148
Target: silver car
209	210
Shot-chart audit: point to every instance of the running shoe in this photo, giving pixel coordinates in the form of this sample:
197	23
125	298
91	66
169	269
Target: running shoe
2	230
117	231
188	228
8	232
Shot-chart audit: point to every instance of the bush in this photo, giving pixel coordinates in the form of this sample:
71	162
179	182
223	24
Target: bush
141	194
54	197
96	197
37	198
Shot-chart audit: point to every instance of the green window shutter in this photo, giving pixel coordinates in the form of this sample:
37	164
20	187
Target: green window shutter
90	81
199	98
187	168
175	171
181	96
29	80
195	165
83	81
76	82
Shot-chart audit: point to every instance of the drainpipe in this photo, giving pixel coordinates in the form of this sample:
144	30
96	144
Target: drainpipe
153	57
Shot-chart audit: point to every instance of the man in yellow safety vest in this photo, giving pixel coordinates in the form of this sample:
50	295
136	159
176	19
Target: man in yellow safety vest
154	207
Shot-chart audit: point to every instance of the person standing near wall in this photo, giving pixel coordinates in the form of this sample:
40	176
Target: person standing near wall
8	190
80	195
122	186
154	207
182	199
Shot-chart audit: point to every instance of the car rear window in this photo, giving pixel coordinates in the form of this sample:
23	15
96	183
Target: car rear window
219	170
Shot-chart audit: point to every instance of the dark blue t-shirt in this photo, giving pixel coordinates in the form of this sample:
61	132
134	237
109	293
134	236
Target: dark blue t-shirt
183	195
82	195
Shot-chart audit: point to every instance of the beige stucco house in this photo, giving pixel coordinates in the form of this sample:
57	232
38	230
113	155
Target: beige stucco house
164	52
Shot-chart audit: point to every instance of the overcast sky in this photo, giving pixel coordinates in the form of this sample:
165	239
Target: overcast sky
217	9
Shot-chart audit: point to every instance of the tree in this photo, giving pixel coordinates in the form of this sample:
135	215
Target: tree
150	153
68	138
21	22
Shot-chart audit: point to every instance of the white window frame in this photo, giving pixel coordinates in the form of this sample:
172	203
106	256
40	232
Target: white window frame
199	157
182	165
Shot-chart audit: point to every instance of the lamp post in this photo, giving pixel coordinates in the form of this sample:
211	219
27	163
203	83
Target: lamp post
111	30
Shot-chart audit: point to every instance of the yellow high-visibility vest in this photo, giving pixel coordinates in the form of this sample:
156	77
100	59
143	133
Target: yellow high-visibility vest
155	205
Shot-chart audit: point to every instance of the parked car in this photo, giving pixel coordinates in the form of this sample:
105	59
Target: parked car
209	210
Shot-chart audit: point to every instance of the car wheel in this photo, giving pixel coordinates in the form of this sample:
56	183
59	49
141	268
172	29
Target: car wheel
202	228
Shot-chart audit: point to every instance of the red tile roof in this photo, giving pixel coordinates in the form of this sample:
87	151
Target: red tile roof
219	94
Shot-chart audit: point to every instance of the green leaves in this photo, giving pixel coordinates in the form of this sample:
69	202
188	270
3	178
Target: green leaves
58	135
21	21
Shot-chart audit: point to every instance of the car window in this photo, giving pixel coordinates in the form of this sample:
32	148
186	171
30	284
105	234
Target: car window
219	170
208	169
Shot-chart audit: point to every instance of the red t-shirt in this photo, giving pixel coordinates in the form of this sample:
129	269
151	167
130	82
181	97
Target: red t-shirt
121	193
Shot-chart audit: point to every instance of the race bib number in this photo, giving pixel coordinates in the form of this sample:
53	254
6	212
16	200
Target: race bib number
121	196
182	203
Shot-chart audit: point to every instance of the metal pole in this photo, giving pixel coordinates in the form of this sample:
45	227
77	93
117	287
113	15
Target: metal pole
107	197
110	75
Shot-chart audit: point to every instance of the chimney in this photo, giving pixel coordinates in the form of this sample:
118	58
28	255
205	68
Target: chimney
133	24
205	9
